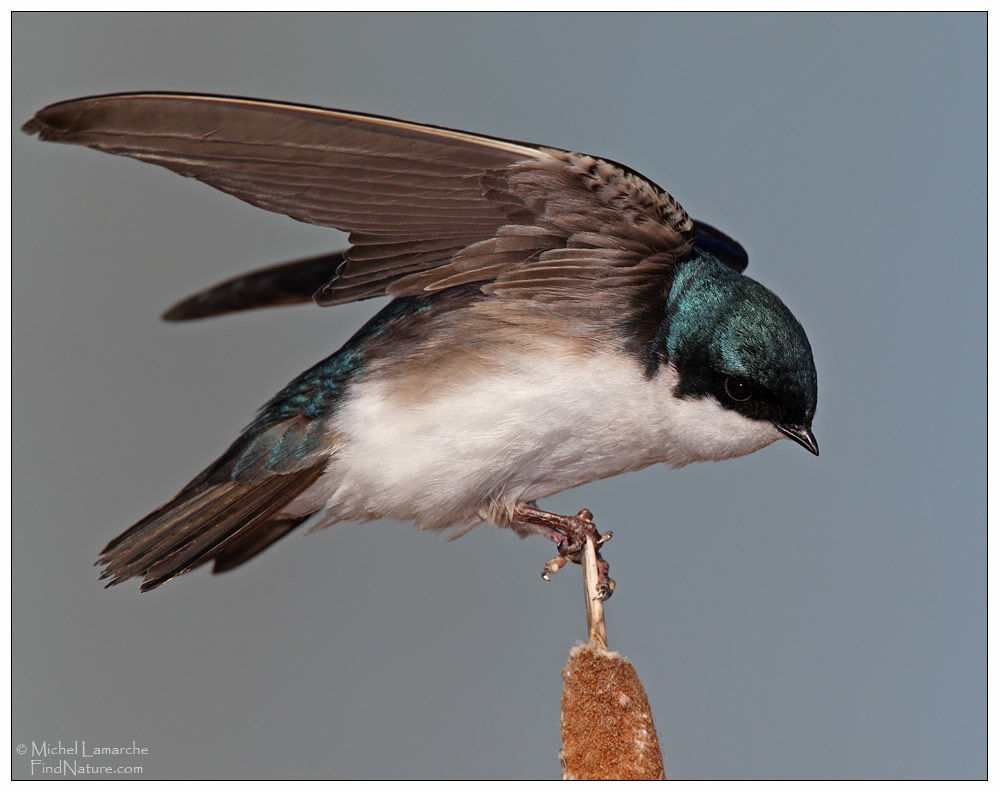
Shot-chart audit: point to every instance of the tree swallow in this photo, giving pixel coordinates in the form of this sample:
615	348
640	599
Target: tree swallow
557	318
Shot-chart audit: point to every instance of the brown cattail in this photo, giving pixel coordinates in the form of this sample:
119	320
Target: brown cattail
607	727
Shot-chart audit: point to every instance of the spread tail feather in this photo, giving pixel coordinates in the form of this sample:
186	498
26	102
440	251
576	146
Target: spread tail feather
229	521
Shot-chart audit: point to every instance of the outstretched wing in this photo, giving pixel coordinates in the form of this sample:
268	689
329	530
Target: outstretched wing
426	208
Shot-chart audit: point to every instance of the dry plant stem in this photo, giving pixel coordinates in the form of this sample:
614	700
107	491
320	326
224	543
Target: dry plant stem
595	625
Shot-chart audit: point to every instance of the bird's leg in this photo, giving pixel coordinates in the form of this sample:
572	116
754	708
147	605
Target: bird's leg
569	535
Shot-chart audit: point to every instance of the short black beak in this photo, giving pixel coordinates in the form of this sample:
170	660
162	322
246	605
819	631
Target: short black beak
802	435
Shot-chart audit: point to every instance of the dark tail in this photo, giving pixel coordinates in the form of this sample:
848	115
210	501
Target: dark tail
228	522
254	543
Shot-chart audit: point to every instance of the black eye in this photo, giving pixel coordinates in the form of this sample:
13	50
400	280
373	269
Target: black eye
737	389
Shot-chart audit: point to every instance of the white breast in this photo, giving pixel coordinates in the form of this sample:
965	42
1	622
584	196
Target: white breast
523	429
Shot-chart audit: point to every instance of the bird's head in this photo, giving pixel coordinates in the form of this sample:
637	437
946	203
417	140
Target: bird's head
733	340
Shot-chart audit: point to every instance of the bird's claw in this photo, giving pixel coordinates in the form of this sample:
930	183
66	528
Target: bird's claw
570	535
604	589
571	548
552	566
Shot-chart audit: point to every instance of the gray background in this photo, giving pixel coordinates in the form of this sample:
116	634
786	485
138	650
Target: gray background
790	616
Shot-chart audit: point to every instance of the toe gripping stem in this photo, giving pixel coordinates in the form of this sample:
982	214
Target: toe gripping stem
569	535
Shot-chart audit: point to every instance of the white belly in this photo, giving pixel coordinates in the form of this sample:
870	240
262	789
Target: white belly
523	429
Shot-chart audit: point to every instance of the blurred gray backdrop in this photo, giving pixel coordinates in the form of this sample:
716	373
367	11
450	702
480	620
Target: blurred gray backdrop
791	617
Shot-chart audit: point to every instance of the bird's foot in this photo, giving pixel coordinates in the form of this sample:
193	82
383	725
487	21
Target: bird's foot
569	535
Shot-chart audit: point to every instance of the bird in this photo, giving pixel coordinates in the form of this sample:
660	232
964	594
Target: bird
556	318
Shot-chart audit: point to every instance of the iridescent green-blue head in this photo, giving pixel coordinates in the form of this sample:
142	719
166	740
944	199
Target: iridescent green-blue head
733	340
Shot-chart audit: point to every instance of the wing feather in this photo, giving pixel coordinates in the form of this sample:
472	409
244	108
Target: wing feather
426	207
